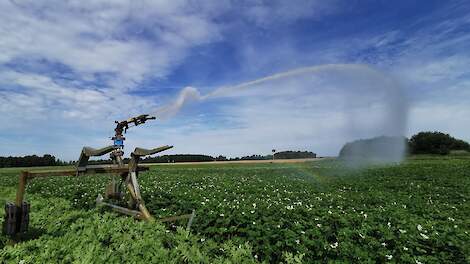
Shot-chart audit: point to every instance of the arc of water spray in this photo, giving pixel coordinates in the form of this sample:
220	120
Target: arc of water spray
393	121
190	93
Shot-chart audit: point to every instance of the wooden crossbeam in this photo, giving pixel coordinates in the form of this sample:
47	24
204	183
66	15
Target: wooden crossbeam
91	169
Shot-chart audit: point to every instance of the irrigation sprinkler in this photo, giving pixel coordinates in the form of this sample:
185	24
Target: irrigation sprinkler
17	213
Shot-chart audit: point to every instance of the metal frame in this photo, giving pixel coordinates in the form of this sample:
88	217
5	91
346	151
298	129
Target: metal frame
17	217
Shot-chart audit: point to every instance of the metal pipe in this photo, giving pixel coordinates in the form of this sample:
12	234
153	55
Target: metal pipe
175	218
190	222
134	213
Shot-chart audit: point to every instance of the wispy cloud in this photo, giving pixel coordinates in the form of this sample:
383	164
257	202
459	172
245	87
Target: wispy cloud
125	42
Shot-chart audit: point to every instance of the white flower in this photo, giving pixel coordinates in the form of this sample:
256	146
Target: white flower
419	227
334	245
203	239
297	241
254	205
405	248
389	257
365	215
254	222
424	236
278	226
389	224
418	262
361	235
222	215
402	231
329	211
318	225
252	211
384	244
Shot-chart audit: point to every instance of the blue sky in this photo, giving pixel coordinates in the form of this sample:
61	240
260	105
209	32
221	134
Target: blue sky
68	69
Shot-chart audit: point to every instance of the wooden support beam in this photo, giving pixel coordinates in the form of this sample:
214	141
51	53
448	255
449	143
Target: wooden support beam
145	214
22	180
101	169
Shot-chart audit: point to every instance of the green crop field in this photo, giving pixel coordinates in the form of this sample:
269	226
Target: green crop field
416	212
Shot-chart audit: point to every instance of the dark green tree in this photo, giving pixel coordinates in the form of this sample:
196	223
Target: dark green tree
29	161
435	143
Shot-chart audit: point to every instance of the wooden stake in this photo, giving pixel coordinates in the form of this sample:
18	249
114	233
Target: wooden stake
22	180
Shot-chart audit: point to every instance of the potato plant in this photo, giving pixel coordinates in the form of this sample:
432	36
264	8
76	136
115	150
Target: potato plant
416	212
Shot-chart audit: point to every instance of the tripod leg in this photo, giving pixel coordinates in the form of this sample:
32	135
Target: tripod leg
112	190
135	184
132	186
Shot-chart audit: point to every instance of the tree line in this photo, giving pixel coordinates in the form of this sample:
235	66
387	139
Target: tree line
201	158
436	143
30	161
49	160
422	143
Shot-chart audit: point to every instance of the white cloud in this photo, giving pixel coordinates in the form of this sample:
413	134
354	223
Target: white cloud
104	37
95	37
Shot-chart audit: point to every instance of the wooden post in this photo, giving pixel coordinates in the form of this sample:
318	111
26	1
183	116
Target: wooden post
130	188
145	214
133	184
21	188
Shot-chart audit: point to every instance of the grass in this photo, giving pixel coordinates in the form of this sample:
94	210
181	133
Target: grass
309	212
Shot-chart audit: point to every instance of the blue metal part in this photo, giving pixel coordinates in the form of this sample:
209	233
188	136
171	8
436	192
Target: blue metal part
119	142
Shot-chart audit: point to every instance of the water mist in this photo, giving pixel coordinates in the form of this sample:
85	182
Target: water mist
358	87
